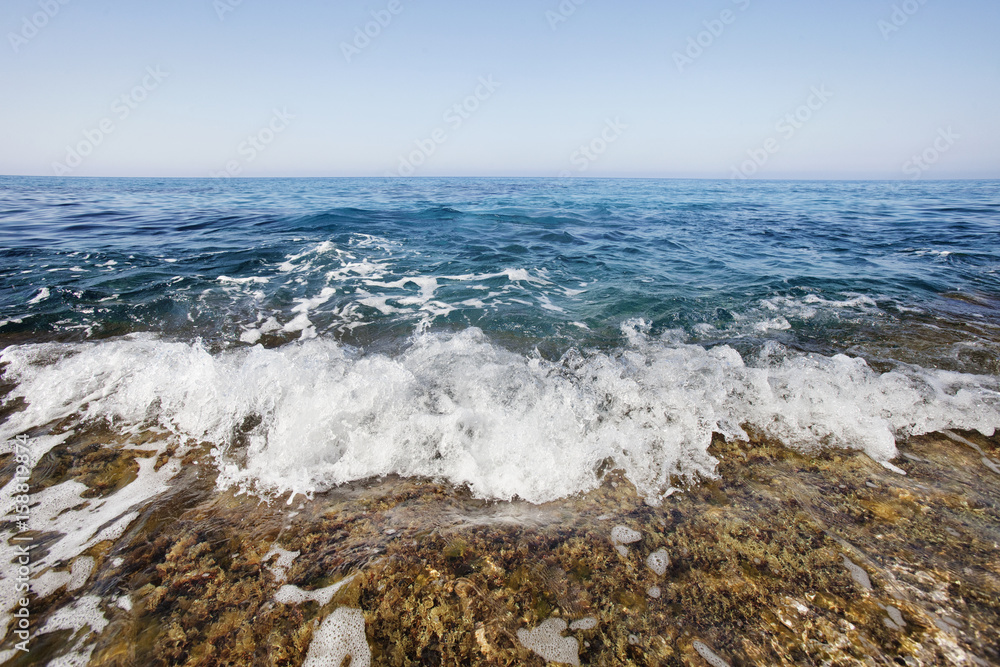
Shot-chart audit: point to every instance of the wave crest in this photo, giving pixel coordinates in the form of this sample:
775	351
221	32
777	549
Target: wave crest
461	408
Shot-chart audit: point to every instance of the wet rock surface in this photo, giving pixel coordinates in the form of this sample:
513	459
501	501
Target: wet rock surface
761	566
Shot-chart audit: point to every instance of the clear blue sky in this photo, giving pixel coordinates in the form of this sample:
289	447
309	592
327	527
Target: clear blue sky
610	68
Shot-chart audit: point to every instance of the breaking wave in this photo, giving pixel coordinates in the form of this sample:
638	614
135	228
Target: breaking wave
311	415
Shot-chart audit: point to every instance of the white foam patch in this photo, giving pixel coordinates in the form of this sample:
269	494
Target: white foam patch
98	519
301	321
250	336
281	564
80	572
588	623
708	654
42	295
658	562
625	535
253	334
342	634
294	595
859	576
82	613
80	523
251	280
292	262
10	550
811	305
47	583
547	641
457	407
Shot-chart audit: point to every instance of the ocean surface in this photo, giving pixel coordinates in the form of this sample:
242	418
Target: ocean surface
518	337
447	421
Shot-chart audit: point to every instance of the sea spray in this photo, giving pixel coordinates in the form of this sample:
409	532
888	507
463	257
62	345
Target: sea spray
316	414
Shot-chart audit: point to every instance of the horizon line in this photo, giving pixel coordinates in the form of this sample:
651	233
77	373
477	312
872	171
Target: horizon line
494	177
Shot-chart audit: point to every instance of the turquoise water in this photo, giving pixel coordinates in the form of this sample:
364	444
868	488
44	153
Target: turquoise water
513	336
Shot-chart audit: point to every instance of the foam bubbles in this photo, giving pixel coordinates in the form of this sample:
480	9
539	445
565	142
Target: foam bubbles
342	634
708	654
547	641
85	612
281	564
47	583
458	407
294	595
658	562
80	572
42	295
74	522
621	535
895	619
859	576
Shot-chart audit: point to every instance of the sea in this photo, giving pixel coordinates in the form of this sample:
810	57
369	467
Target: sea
513	340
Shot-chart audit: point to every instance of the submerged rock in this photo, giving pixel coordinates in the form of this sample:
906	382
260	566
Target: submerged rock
759	573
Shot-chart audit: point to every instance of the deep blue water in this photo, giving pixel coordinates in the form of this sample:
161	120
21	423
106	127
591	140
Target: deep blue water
888	271
511	336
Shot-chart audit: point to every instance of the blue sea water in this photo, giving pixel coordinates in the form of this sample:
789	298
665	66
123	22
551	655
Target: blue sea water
504	334
822	266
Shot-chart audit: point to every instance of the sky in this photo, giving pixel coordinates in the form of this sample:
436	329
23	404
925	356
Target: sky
839	89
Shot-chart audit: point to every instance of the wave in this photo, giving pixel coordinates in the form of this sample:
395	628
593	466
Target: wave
309	416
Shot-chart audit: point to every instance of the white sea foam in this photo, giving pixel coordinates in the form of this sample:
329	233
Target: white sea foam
658	562
42	295
625	535
84	612
80	572
806	308
281	564
46	584
708	654
75	522
548	641
289	594
252	280
342	634
458	407
857	573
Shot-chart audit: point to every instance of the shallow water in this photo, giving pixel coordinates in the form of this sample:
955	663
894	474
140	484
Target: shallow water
520	362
